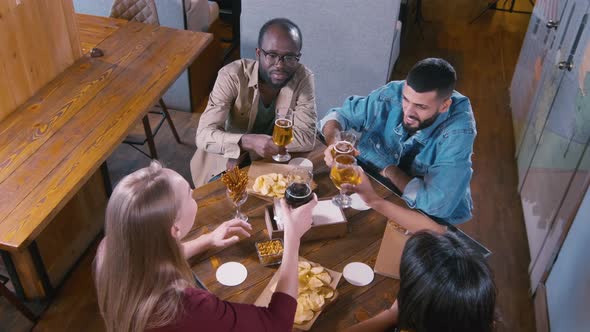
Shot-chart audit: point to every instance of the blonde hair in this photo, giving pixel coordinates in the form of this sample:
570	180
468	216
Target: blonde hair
141	273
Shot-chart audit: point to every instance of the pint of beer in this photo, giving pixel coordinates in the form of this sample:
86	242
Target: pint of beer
344	171
342	147
282	133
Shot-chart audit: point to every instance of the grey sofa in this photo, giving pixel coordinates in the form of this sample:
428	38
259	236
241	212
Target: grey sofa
350	46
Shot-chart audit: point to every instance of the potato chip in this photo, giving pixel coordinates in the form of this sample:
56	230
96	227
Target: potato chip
304	265
314	289
326	292
317	269
271	185
314	282
324	277
302	315
316	301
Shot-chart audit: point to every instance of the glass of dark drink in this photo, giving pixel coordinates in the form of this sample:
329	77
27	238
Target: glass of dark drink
298	190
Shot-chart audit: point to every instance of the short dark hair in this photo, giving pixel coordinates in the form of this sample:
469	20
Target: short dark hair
433	74
444	286
285	24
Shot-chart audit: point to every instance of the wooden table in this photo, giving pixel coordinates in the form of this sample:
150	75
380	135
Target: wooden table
53	194
361	244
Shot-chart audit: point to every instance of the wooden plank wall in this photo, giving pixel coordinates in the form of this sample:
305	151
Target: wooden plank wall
39	39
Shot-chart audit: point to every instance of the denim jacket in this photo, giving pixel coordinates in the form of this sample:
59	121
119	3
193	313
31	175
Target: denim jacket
439	156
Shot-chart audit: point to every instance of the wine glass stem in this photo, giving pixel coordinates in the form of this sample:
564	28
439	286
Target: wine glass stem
342	193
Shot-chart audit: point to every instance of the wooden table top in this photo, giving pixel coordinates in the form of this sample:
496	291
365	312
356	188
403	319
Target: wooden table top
55	141
361	244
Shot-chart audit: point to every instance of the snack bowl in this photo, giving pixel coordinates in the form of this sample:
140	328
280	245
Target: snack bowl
270	252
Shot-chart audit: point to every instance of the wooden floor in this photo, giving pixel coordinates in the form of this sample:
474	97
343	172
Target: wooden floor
484	54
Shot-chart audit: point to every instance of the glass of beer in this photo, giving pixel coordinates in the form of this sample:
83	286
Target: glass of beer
345	143
282	133
344	171
298	190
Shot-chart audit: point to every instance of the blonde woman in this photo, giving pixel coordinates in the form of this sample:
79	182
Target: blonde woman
142	276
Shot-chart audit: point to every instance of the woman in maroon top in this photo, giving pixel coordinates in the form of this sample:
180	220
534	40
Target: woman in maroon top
142	277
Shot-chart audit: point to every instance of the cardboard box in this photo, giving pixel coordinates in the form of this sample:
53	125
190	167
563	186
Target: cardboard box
264	298
316	232
390	252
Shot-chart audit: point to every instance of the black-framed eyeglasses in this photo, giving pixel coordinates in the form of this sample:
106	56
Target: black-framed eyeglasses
273	58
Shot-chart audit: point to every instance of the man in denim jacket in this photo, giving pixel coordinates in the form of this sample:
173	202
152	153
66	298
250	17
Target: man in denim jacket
419	133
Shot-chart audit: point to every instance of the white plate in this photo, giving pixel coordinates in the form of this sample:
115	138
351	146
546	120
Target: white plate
358	274
301	162
357	203
231	274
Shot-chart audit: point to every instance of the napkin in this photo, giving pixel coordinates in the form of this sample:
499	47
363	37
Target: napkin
324	213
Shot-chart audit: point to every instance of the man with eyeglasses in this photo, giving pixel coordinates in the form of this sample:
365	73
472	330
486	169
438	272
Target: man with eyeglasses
238	121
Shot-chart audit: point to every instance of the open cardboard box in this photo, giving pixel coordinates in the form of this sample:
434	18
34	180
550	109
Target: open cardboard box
264	298
321	229
390	252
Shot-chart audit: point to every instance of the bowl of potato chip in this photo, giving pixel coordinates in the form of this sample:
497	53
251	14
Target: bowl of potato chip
270	185
317	289
269	180
314	291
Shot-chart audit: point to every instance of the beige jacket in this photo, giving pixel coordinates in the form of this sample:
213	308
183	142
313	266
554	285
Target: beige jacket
231	113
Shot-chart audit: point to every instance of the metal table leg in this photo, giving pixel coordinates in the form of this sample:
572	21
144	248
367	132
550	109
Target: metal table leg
12	274
41	271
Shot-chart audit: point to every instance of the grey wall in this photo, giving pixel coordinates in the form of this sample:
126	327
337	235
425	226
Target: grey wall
347	44
171	14
568	285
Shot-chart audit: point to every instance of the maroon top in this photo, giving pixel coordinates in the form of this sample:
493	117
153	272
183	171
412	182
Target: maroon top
203	311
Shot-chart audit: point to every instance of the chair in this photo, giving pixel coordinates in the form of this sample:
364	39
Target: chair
144	11
15	301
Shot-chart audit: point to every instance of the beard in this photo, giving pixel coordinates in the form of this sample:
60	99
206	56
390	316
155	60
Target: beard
421	123
266	78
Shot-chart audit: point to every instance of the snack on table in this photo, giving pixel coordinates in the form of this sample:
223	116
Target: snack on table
314	290
235	180
271	184
270	252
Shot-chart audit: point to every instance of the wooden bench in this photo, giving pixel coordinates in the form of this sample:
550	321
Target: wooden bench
53	187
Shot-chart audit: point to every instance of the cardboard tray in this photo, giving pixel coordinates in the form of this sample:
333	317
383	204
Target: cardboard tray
264	297
316	232
390	252
258	168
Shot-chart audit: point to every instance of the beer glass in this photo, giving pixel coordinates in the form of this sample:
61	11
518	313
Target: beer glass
345	143
298	190
282	133
344	171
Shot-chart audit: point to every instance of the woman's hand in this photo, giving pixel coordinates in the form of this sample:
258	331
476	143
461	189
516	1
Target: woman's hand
229	233
297	221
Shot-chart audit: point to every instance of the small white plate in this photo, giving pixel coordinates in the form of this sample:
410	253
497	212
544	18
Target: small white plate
358	274
301	162
357	203
231	273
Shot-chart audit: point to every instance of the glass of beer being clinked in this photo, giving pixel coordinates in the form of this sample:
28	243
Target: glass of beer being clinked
345	143
344	171
282	133
298	190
